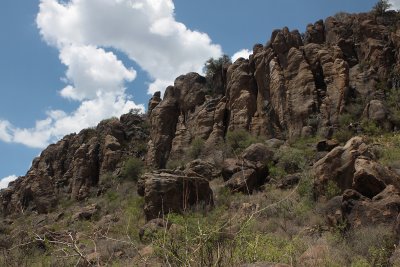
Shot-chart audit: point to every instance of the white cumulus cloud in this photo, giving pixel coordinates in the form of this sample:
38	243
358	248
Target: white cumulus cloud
145	30
85	32
5	134
244	53
6	180
395	4
92	70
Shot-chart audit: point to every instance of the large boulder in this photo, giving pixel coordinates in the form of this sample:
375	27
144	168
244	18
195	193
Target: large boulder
167	191
338	166
353	167
244	176
370	177
383	208
202	168
257	153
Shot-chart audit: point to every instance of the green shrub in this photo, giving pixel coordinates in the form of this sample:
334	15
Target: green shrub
196	148
305	188
381	7
332	190
393	104
132	169
212	66
238	140
211	240
343	135
370	128
291	159
388	150
175	164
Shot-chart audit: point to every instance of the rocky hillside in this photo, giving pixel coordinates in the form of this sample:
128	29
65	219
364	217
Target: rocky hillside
288	158
72	168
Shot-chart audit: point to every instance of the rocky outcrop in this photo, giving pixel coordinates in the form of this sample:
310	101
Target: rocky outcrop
338	166
202	168
172	191
288	88
71	168
383	208
353	167
248	172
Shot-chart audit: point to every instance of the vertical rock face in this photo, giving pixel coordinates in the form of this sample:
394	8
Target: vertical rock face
186	112
241	94
290	87
71	168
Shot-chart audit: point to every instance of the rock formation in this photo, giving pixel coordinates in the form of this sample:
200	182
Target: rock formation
72	167
290	87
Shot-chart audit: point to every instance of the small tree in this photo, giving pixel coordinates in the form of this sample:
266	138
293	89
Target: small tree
132	169
212	66
381	7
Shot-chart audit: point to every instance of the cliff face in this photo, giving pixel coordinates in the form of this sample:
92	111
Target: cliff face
72	167
291	87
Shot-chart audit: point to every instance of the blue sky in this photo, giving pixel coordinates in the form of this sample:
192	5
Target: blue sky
67	66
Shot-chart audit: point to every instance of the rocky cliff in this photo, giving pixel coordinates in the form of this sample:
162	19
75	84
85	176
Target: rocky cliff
293	86
71	168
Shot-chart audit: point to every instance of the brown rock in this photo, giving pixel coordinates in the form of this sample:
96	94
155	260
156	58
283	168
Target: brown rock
243	181
172	191
289	181
326	145
241	95
371	178
315	33
163	120
362	211
70	169
257	153
338	165
153	102
86	213
202	168
376	111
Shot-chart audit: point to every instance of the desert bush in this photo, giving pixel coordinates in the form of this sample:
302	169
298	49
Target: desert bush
370	128
212	66
393	104
216	241
381	7
132	169
343	135
238	140
175	164
291	159
196	148
388	148
375	243
332	190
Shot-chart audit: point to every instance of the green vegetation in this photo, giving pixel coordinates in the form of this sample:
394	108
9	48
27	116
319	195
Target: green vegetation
132	169
238	140
213	66
381	7
332	190
393	104
196	148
